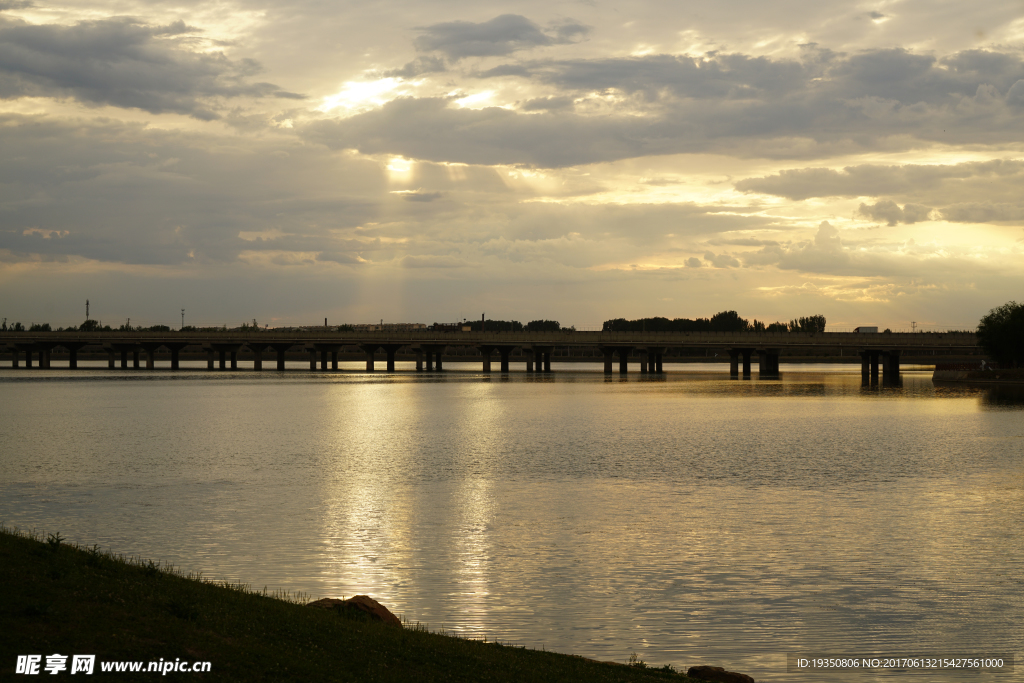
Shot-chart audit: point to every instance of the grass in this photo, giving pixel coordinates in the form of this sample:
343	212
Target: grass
60	598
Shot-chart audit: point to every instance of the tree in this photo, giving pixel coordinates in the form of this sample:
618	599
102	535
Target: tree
1001	334
728	321
36	327
811	324
543	326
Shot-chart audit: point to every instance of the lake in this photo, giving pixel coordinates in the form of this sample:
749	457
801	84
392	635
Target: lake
688	518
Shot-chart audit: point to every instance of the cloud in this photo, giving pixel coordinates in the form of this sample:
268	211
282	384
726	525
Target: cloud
123	63
339	257
432	262
721	260
627	107
871	180
417	195
983	212
502	35
421	65
890	212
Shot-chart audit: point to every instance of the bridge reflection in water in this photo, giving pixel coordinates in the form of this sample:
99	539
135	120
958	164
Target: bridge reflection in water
650	350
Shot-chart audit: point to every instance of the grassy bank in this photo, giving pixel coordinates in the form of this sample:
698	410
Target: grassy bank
56	598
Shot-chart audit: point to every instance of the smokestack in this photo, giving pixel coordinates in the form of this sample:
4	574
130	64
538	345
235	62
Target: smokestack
483	322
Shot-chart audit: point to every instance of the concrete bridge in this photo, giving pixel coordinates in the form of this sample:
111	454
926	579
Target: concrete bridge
876	351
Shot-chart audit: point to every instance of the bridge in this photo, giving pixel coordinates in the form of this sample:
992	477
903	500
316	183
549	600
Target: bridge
649	350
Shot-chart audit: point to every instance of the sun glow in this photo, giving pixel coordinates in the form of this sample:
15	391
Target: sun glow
359	96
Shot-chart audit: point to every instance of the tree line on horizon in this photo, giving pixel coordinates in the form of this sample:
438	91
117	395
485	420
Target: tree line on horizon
724	321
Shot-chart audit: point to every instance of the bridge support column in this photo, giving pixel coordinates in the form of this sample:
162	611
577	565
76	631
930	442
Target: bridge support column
768	363
865	367
334	359
135	359
504	351
746	363
486	351
891	368
609	358
175	354
369	350
547	361
624	360
657	360
734	364
209	359
312	359
644	362
419	360
389	353
874	367
14	358
222	356
73	359
531	355
281	351
434	353
323	360
234	359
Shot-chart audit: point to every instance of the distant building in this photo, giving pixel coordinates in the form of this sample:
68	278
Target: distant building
866	329
387	327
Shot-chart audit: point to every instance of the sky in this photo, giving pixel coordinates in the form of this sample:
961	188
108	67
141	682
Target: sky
578	161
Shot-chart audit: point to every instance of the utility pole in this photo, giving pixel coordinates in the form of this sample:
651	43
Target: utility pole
913	327
87	309
183	318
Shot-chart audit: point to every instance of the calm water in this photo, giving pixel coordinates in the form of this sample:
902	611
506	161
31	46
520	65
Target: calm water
691	519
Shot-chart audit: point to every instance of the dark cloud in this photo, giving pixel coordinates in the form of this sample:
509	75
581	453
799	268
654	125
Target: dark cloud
122	63
339	257
432	262
502	35
873	180
721	103
15	4
891	213
419	196
547	104
417	67
983	212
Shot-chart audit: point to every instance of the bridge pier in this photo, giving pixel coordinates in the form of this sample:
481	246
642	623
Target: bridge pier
434	352
609	358
151	348
281	350
419	359
624	359
504	352
73	348
734	355
486	351
312	359
257	354
768	363
891	367
390	350
369	350
175	348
